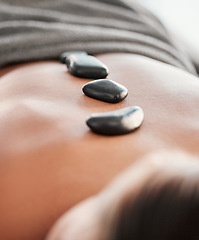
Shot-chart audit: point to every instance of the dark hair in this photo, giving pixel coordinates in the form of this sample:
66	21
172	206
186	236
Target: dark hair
167	211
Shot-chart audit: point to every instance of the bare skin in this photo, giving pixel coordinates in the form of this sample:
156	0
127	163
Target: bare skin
50	160
96	217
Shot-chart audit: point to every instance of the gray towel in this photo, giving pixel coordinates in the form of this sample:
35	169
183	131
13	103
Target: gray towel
43	29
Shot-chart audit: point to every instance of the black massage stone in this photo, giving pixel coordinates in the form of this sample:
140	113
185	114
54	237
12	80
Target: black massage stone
117	122
86	66
64	55
105	90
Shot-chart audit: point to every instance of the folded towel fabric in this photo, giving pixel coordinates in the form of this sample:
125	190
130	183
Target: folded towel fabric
38	30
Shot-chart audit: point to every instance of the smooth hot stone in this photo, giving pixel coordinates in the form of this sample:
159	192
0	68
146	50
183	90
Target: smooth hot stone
86	66
105	90
117	122
63	57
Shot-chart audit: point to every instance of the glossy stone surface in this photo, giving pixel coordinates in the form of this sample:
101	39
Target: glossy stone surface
86	66
65	55
105	90
117	122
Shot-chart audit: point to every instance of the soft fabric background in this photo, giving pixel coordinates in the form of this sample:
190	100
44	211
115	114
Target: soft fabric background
36	30
181	18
